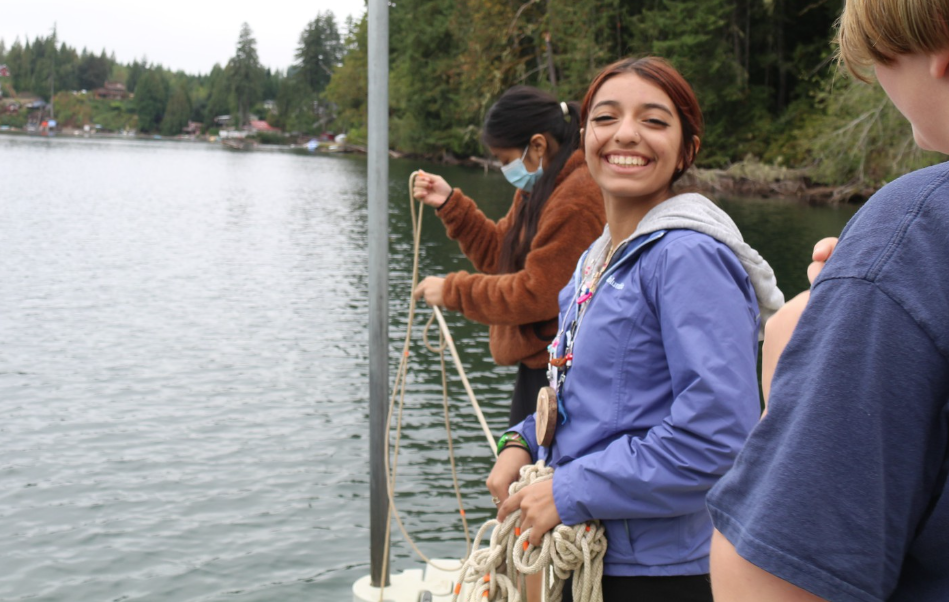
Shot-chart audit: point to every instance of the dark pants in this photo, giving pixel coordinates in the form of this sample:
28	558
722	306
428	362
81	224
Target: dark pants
524	402
687	588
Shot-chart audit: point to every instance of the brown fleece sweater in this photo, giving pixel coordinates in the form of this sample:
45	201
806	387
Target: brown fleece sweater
521	308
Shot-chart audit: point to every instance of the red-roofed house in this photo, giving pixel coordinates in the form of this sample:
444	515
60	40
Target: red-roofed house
259	125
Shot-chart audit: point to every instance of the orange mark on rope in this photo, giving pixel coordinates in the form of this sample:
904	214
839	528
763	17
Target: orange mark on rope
458	589
517	531
525	545
463	513
484	594
487	578
406	354
588	528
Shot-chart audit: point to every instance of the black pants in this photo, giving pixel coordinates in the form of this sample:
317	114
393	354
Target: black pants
524	402
687	588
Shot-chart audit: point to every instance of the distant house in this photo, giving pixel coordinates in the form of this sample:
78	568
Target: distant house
111	91
259	125
192	129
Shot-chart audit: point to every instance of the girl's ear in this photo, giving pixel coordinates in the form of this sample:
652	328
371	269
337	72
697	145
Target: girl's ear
939	64
696	145
538	147
538	142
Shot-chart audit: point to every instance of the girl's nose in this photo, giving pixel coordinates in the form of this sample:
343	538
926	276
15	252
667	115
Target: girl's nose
627	132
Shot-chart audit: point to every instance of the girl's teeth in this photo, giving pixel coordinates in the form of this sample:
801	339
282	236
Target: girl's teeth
627	161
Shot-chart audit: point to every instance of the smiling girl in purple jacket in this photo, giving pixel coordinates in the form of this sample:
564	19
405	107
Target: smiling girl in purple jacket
654	366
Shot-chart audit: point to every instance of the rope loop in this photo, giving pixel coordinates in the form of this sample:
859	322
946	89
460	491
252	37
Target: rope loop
493	572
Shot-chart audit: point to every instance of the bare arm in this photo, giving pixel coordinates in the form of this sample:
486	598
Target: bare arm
734	579
780	327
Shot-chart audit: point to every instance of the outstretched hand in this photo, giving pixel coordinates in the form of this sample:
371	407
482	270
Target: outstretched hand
430	189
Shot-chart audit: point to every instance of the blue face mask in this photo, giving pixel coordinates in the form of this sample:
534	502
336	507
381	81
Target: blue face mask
517	174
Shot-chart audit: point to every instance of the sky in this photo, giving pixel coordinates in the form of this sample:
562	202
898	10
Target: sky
180	35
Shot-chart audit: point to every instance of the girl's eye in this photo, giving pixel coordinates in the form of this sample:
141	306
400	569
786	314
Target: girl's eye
658	122
602	118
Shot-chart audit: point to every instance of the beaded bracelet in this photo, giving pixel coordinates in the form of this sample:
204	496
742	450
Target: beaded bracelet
512	438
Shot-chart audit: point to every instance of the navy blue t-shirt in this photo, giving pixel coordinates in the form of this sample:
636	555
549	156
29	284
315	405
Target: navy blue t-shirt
841	489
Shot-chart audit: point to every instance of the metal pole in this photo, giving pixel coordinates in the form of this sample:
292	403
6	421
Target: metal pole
378	282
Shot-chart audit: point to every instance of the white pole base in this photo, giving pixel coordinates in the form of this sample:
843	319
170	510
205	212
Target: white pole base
431	584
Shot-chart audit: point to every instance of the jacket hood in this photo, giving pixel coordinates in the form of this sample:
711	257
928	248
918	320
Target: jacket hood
692	211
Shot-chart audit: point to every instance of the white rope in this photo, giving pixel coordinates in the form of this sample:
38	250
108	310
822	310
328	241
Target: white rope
398	392
494	571
564	551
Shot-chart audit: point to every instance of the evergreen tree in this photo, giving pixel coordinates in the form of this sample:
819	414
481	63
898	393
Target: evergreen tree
67	69
271	84
136	70
93	71
319	52
245	74
426	90
150	101
178	111
20	61
219	96
348	89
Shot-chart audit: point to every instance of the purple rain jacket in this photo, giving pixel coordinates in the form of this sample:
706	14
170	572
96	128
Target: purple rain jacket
661	395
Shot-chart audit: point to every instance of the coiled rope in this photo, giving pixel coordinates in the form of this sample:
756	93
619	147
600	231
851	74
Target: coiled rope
577	550
398	393
564	551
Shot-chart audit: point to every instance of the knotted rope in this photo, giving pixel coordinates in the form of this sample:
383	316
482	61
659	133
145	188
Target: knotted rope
576	550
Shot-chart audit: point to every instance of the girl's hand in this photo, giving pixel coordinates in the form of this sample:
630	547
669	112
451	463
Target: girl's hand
507	469
538	510
431	189
431	289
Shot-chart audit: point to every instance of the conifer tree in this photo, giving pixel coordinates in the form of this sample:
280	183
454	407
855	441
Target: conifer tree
245	74
178	111
319	52
150	100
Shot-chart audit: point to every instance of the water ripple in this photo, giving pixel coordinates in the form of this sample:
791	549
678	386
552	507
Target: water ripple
183	378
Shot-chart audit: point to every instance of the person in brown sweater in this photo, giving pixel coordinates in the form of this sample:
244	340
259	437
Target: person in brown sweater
525	258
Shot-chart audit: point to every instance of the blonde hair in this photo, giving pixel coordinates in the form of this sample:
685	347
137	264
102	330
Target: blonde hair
877	31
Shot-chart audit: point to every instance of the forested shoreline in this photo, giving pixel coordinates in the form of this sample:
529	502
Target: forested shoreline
775	100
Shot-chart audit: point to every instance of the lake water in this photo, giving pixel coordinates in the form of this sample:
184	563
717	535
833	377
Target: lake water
183	369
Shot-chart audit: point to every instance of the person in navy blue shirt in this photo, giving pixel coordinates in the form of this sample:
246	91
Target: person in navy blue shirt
841	491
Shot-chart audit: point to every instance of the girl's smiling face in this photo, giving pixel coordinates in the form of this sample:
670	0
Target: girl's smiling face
633	139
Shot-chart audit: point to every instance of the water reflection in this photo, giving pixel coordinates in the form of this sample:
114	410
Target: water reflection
183	375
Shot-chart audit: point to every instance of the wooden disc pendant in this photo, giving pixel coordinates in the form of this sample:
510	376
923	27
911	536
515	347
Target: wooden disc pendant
546	416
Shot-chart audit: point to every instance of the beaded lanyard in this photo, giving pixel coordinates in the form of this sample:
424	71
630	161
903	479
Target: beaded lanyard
557	367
